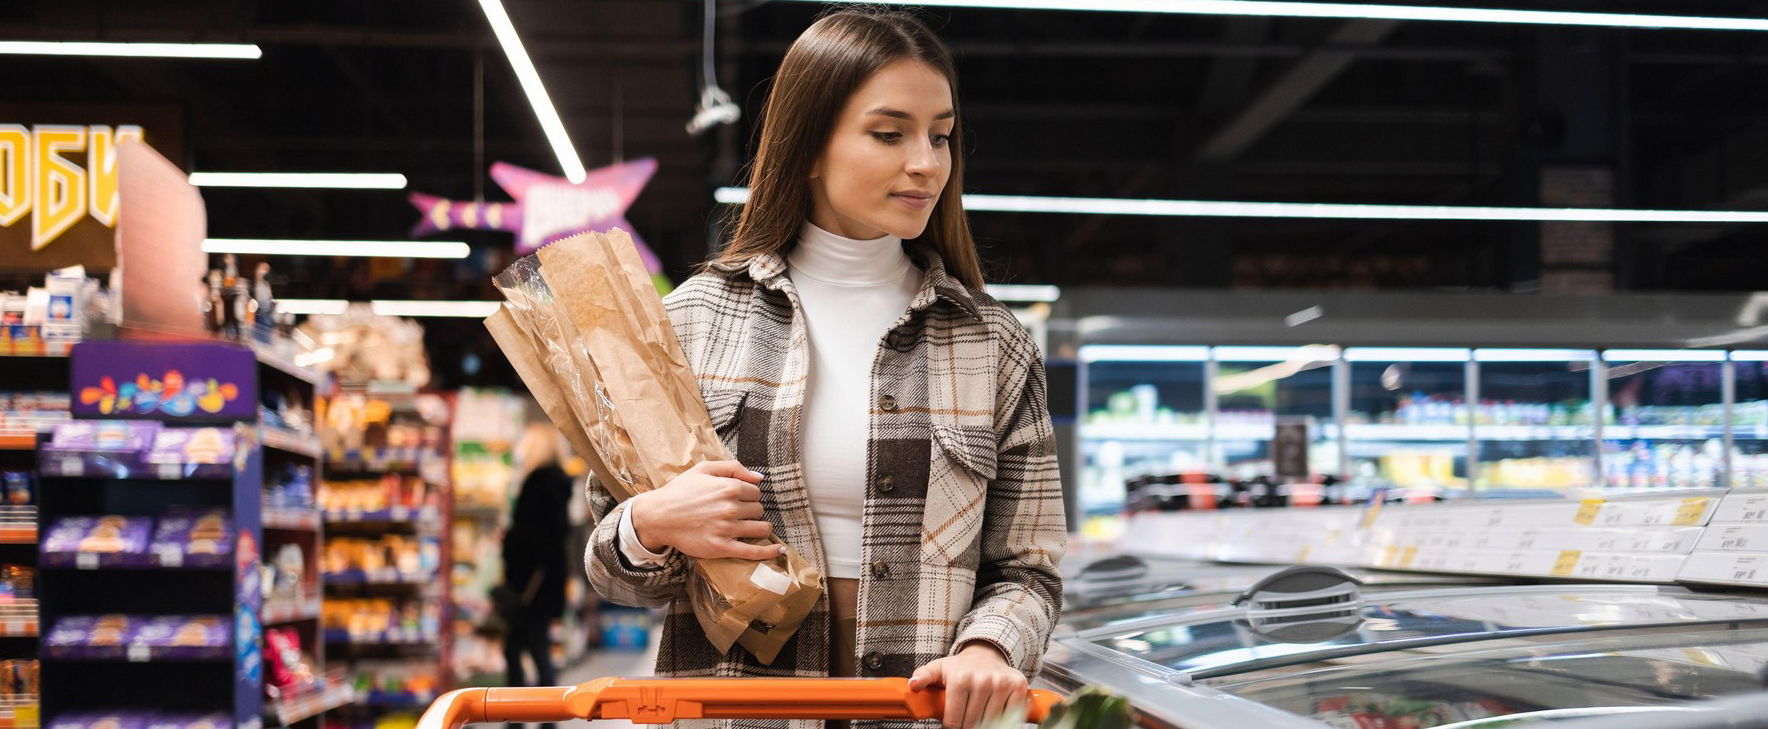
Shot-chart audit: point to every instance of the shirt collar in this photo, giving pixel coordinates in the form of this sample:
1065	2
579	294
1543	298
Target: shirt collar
769	270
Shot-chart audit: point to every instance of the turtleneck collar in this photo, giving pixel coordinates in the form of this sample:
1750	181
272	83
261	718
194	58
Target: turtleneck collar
833	259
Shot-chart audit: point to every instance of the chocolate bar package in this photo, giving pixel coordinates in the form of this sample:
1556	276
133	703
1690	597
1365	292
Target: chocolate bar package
186	720
115	719
103	436
89	636
109	540
193	445
193	540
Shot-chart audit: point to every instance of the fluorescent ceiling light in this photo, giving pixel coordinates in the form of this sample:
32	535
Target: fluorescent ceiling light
473	309
1750	355
330	180
1300	358
1023	292
1332	211
230	51
347	248
1663	355
1359	11
1142	353
1534	355
1308	353
537	98
1406	354
312	306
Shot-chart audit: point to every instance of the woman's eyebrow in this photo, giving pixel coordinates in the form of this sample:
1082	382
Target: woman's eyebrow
885	111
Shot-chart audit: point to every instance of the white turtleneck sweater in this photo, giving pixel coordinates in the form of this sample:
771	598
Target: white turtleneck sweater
851	292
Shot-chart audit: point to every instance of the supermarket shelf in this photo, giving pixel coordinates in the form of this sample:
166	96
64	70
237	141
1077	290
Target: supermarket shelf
1662	432
1143	431
18	525
18	441
395	700
396	515
380	460
139	654
379	577
479	512
292	519
58	350
288	710
170	561
282	612
270	358
100	465
289	441
400	637
20	711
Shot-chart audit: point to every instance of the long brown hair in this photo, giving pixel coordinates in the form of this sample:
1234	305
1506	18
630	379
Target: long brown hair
830	60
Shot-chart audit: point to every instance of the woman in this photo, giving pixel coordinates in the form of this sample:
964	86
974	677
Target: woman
888	418
534	556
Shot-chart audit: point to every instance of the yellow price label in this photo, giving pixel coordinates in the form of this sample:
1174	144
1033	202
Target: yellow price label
1568	561
1691	511
27	715
1587	511
1407	556
1387	555
1369	515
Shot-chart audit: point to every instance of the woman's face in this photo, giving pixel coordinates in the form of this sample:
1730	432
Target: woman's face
888	157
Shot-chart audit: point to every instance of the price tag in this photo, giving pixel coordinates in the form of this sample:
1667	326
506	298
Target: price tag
1568	561
139	653
15	627
73	466
171	471
1587	511
86	560
1388	554
1407	556
171	556
1691	511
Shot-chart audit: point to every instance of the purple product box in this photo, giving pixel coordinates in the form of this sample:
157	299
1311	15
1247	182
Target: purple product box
189	636
193	445
170	720
121	719
203	539
88	541
89	636
103	436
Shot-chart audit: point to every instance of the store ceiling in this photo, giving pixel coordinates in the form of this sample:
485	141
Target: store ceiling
1055	103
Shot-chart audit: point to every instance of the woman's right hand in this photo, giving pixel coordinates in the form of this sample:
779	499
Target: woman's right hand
706	513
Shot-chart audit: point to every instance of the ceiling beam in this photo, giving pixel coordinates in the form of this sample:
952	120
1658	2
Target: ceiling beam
1306	78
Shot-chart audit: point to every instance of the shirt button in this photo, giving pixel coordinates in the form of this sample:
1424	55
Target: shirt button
881	570
874	661
886	403
886	484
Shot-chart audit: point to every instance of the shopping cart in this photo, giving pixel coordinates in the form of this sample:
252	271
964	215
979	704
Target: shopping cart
662	700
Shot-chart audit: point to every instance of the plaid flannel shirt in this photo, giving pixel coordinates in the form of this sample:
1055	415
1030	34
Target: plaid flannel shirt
963	524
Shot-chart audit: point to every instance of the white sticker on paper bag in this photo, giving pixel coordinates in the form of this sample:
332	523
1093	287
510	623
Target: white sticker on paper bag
767	579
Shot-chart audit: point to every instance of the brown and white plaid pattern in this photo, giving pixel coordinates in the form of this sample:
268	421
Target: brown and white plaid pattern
963	524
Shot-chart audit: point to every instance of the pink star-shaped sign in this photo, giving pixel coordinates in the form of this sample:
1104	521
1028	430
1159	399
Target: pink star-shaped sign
547	208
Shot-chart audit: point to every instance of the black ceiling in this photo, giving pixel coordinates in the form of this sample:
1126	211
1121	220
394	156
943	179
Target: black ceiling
1055	103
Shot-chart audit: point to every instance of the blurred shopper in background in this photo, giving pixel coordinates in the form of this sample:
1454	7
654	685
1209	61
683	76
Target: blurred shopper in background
533	593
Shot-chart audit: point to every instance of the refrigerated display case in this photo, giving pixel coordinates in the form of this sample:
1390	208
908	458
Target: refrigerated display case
1664	425
1747	452
1467	656
1534	421
1256	387
1145	413
1406	421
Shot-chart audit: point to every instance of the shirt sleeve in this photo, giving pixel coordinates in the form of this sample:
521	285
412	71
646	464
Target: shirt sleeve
634	550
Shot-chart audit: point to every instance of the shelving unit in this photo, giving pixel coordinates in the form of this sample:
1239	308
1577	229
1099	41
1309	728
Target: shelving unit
23	420
220	666
383	622
487	426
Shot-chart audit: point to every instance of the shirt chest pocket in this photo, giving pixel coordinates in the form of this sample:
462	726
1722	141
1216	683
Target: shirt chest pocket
960	467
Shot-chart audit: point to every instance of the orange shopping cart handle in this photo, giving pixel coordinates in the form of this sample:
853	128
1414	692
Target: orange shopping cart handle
662	700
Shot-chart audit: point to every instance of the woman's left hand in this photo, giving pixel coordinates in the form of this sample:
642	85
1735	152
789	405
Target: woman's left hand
978	684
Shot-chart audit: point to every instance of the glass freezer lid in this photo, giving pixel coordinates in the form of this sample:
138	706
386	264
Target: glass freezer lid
1222	642
1537	678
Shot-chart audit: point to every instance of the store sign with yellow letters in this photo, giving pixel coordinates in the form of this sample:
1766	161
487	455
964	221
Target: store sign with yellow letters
54	178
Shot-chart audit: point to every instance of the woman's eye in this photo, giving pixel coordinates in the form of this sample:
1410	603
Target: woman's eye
887	137
940	140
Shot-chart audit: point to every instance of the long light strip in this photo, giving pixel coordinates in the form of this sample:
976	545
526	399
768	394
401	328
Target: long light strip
1304	353
536	91
1533	355
1749	355
1359	11
318	180
1231	209
1023	292
1663	355
1142	353
225	51
1406	354
473	309
312	306
345	248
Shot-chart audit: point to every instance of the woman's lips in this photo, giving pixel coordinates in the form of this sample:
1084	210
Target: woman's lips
915	203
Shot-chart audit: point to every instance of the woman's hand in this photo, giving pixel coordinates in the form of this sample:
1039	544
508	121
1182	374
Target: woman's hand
978	684
705	513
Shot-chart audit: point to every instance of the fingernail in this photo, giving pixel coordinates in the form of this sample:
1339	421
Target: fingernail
782	550
757	474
